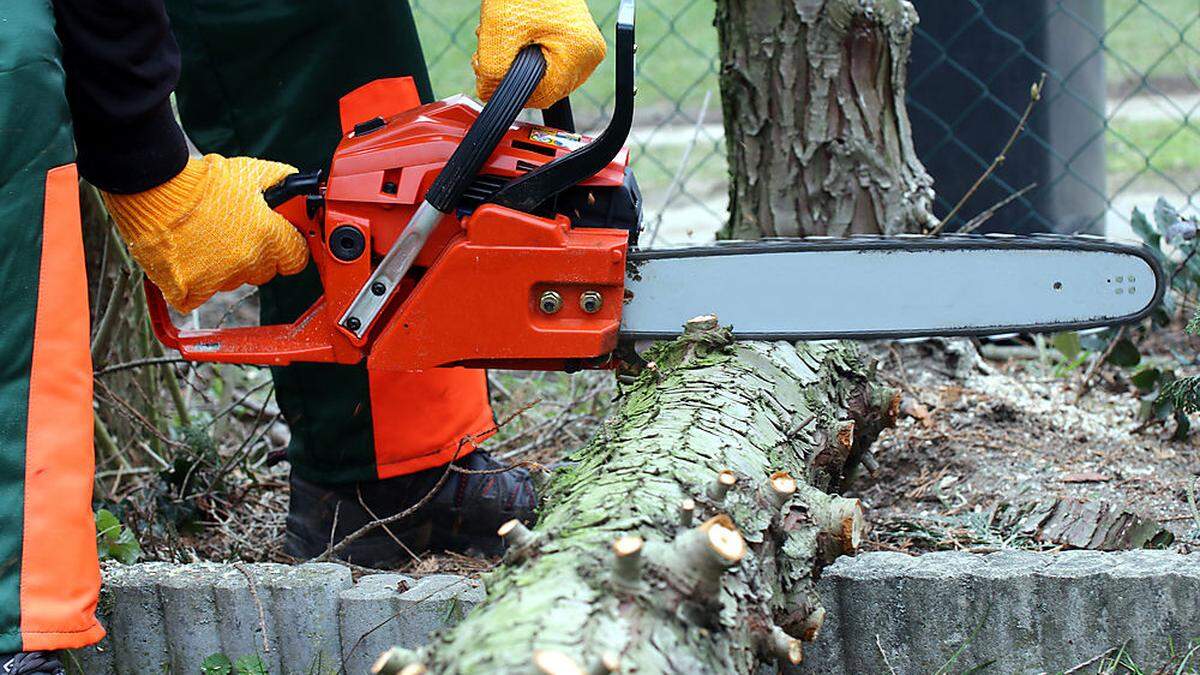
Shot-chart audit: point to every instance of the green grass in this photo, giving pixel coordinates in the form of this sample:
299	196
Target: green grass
1158	38
1163	146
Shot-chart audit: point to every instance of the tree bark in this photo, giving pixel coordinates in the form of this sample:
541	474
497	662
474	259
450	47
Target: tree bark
816	129
686	537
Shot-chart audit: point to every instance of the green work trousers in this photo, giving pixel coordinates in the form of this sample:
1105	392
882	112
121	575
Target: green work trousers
49	575
263	79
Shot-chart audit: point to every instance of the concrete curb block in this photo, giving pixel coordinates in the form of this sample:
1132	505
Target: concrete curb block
1008	612
1018	611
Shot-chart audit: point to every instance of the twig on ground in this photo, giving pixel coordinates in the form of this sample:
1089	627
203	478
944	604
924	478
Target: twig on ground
133	414
1182	266
262	616
139	363
363	503
233	406
1085	664
504	469
1035	95
1086	385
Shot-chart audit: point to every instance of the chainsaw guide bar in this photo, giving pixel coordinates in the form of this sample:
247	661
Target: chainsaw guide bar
892	287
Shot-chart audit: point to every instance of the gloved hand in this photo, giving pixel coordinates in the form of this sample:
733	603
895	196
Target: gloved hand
569	38
208	229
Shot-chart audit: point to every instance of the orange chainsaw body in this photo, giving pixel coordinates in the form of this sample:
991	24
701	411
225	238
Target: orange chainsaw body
472	296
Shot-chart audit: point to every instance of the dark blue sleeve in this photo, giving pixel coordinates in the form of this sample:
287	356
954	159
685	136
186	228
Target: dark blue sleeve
121	63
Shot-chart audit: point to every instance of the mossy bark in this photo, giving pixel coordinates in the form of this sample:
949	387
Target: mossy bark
818	137
567	600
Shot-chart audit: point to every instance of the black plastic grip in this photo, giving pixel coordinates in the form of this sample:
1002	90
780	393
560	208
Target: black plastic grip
489	128
294	185
559	116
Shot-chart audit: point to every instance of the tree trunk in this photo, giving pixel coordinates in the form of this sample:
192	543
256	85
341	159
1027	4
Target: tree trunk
687	536
816	128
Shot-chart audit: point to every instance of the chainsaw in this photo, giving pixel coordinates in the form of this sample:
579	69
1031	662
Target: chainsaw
450	234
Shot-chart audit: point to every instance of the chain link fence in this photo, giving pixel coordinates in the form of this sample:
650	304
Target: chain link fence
1116	127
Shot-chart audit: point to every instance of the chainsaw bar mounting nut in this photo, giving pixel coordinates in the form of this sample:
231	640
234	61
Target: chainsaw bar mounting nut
591	301
550	302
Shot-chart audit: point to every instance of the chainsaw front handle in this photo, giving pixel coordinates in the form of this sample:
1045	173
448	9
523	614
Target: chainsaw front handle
489	128
537	187
308	339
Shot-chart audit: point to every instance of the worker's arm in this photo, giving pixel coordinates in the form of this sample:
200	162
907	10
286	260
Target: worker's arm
568	35
197	226
122	64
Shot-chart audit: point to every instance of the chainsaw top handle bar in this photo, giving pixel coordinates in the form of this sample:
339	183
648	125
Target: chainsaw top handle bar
534	188
480	141
489	128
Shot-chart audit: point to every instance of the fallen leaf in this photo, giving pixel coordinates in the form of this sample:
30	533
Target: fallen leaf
911	407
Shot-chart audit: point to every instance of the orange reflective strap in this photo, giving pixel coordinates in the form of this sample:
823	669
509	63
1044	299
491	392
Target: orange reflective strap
60	575
424	419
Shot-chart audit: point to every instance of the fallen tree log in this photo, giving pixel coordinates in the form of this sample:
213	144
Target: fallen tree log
686	537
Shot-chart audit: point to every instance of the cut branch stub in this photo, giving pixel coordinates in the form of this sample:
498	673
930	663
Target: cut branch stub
783	486
700	324
724	540
515	534
720	485
627	561
702	554
398	661
609	662
540	477
845	434
812	624
687	512
842	526
779	645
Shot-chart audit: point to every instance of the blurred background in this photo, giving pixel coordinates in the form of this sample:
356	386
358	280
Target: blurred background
1116	127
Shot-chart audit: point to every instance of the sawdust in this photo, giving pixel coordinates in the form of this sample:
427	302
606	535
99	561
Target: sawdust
1010	436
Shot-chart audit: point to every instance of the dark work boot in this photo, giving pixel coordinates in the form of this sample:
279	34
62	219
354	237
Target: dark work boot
31	663
469	508
315	510
462	516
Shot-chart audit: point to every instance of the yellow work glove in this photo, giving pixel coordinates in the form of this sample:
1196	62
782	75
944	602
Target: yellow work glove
209	229
568	35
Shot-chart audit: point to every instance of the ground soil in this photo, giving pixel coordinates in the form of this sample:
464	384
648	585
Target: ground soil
998	434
